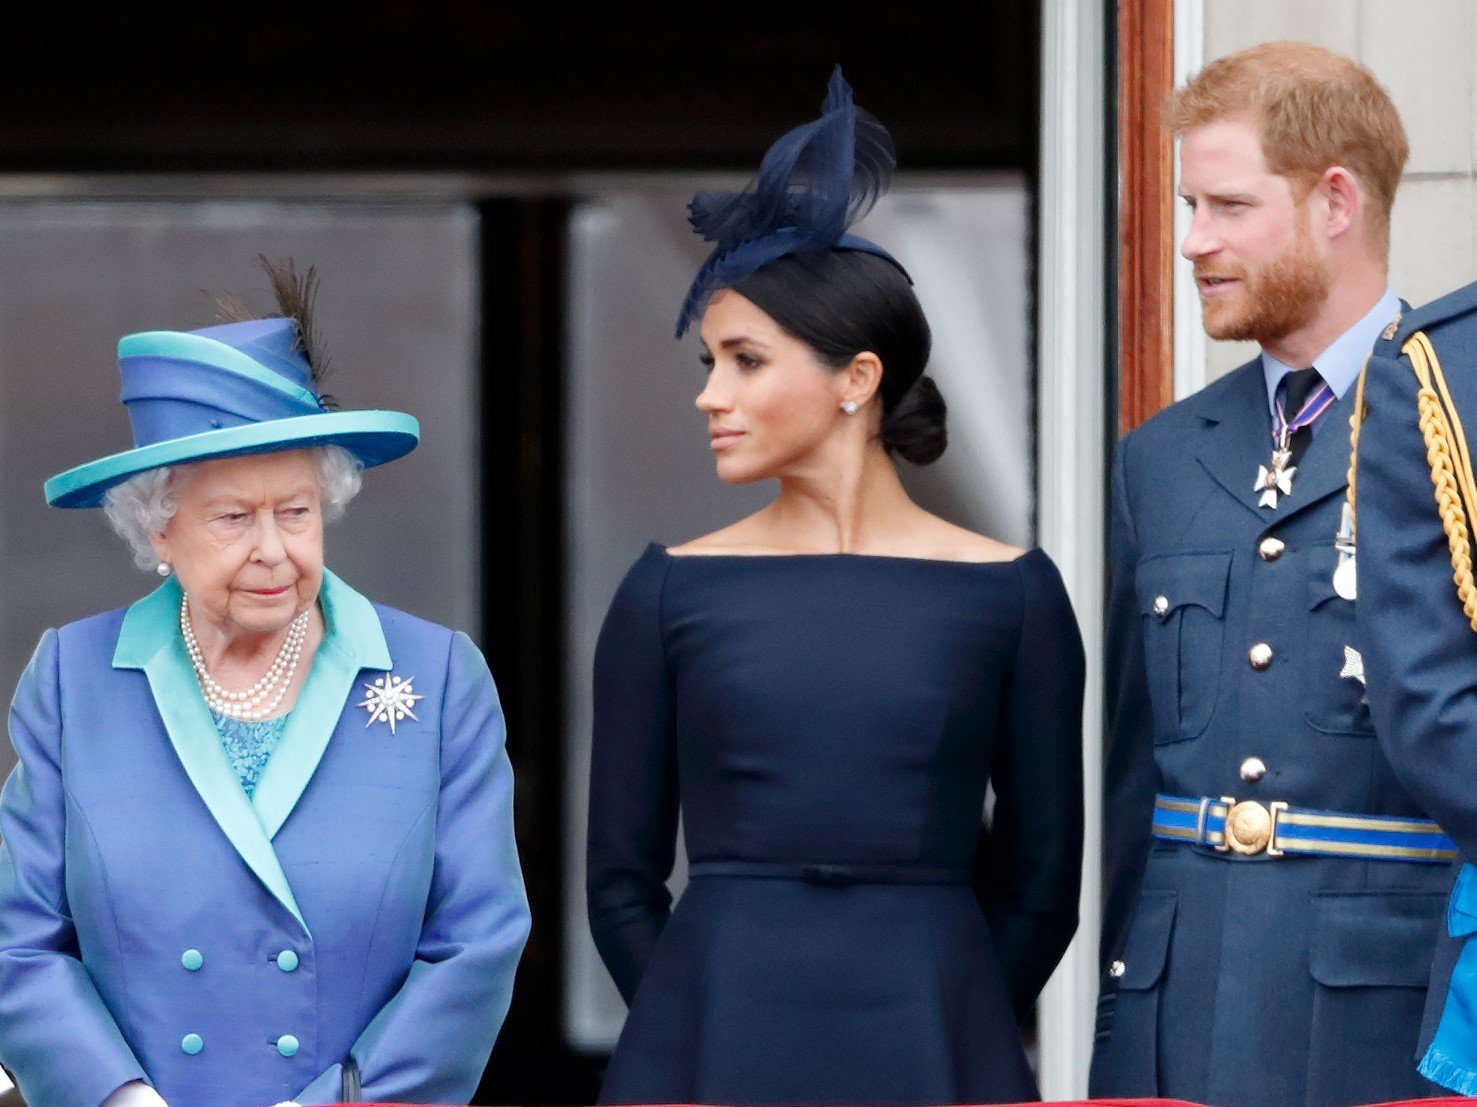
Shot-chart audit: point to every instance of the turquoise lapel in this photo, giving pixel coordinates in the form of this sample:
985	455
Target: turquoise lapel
353	640
150	640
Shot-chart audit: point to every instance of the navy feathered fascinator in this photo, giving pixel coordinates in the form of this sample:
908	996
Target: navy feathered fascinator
813	184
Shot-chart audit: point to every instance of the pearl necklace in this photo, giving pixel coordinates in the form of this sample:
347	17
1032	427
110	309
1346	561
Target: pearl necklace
262	698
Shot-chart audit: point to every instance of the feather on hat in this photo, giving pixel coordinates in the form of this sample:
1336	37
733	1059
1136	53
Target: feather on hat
250	386
813	184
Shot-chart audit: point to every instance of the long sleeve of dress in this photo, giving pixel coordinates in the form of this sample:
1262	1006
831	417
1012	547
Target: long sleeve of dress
56	1034
1030	869
431	1041
633	779
1131	775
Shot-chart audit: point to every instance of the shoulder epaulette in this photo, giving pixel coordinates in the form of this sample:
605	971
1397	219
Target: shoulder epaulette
1413	338
1438	312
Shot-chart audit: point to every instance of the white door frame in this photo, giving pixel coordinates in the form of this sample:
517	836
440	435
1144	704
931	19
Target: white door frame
1071	358
1075	220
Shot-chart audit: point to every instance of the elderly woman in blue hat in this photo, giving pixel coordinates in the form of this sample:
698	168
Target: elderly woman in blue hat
258	845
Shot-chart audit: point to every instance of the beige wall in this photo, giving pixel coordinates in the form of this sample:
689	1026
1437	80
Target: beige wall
1423	51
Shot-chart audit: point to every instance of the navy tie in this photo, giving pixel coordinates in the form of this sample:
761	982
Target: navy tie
1293	390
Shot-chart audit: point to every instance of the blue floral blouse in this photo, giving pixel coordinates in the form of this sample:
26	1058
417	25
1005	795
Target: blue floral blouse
249	745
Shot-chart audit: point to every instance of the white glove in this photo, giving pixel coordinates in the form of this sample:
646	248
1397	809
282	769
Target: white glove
134	1094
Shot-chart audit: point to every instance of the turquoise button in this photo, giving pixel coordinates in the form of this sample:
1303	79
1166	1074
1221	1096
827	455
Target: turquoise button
287	1045
287	960
192	1044
191	960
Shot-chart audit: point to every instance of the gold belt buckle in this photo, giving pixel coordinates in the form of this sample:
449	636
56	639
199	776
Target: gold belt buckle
1251	828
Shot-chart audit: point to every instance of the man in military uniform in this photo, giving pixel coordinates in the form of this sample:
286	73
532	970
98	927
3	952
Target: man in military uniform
1269	930
1416	507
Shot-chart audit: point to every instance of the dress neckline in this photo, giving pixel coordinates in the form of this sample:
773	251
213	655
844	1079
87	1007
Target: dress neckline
842	555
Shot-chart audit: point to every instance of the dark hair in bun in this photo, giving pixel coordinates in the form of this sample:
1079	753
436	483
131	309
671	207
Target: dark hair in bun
843	302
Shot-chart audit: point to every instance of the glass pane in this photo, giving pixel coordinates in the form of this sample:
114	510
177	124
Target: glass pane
397	314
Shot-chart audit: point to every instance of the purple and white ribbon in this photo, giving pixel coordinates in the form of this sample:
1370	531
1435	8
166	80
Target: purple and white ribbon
1320	400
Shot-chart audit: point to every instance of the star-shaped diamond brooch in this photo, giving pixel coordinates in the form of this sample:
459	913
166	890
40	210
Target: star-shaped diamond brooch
390	699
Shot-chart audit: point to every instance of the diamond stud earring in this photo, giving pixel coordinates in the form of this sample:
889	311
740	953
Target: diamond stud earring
849	407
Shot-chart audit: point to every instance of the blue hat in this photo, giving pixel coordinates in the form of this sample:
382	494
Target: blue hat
813	184
224	391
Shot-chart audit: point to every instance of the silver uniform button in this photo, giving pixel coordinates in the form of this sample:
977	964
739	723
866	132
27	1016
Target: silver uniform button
1117	969
1253	769
1161	606
1260	656
1270	548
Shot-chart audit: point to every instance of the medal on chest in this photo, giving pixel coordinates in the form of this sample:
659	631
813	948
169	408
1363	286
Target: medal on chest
1275	480
1354	670
1345	574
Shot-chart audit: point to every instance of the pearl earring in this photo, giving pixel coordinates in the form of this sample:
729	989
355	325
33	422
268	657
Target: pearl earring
162	569
849	407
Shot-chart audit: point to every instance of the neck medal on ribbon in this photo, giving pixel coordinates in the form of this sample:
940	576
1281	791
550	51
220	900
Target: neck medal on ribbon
1346	574
1276	480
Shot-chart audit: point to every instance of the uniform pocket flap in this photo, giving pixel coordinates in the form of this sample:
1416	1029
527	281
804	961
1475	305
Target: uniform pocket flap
1171	581
1148	941
1320	589
1373	940
1461	913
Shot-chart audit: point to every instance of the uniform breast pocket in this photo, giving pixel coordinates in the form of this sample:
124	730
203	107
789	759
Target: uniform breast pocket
1182	600
1332	702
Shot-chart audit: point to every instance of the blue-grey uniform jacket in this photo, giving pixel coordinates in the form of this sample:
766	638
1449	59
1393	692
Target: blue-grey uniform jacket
1246	979
1419	649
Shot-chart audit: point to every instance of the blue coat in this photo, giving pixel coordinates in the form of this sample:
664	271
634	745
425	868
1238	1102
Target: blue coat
1247	980
156	923
1420	653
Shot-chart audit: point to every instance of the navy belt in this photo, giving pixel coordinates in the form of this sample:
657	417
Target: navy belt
832	875
1249	828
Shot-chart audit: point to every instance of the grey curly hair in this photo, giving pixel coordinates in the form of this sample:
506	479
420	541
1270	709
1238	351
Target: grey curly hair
142	506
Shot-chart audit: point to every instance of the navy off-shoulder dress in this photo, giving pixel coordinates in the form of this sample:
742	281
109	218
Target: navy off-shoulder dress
853	931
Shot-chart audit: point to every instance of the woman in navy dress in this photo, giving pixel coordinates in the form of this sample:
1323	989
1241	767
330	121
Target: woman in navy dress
826	691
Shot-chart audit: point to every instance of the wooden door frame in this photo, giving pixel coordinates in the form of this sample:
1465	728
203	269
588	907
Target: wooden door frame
1145	269
1078	215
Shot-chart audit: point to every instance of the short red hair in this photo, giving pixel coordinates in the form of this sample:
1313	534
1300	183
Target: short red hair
1314	109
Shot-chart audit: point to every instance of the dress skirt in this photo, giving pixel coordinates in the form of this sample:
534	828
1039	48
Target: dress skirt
776	990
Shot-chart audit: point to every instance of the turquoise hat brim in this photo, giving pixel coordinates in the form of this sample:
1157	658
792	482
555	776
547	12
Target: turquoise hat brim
374	437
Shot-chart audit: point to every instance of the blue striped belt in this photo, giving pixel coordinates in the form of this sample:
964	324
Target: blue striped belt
1249	828
830	874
